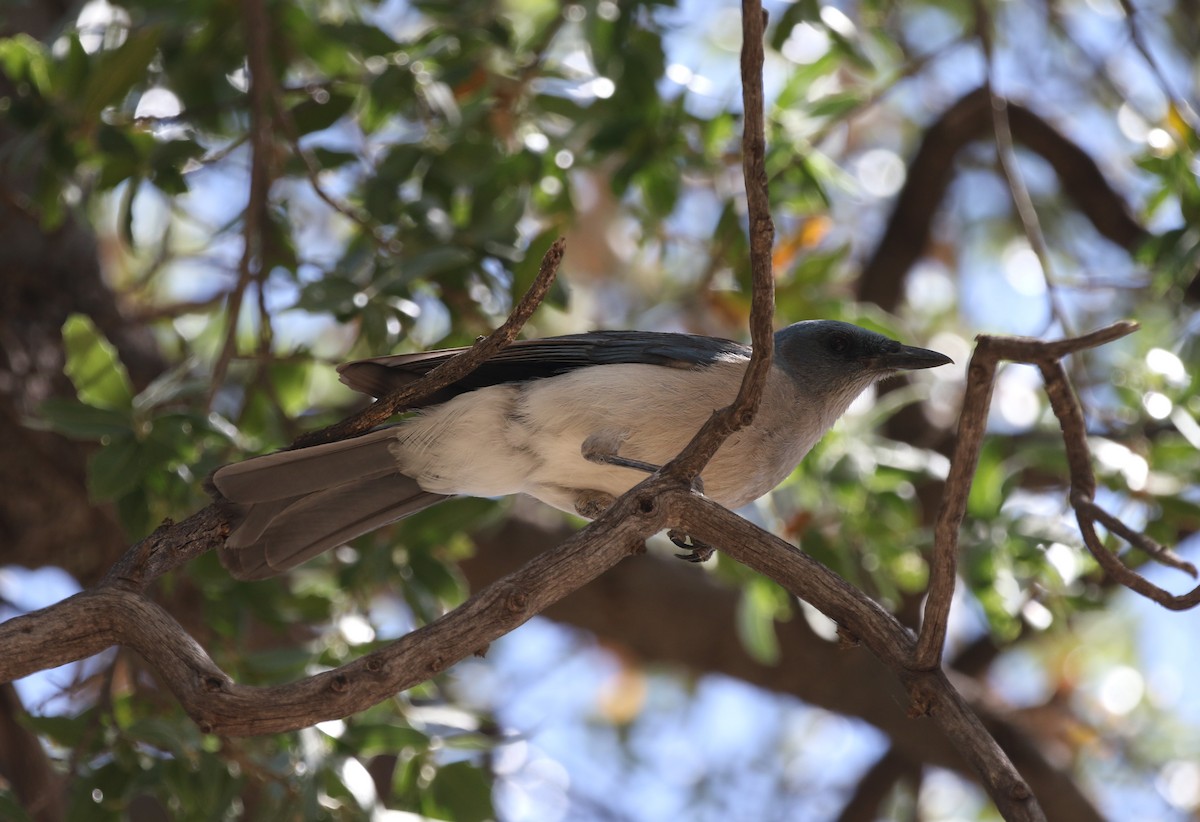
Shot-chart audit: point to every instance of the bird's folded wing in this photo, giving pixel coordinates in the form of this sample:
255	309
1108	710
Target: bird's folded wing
534	359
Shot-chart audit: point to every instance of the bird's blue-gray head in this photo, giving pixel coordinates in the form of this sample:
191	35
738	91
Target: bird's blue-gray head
834	361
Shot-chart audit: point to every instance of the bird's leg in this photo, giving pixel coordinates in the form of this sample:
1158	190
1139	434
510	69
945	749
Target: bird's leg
602	450
697	551
591	504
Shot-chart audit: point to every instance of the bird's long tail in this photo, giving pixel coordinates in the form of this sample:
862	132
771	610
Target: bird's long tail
290	506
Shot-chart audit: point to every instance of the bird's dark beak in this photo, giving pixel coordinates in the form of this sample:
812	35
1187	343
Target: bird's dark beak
910	358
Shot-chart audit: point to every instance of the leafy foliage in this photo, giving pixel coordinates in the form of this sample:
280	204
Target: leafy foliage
419	158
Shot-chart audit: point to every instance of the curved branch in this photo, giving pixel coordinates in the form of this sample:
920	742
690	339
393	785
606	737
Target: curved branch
981	376
1087	513
118	613
689	613
932	168
858	616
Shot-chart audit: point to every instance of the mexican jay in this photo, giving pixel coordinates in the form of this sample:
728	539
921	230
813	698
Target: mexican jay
522	422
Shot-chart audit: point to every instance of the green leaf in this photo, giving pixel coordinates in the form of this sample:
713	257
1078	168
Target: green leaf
427	264
167	161
85	422
93	367
311	115
793	15
125	212
435	577
461	789
23	58
375	739
118	70
835	105
327	158
112	470
67	731
757	608
11	809
167	735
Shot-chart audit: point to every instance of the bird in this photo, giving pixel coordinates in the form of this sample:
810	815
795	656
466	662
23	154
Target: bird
573	421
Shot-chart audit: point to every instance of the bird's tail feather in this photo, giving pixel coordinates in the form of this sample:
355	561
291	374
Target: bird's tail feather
291	506
305	470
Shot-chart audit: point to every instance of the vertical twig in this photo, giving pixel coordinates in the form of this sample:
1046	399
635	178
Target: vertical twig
255	22
1007	157
943	570
741	411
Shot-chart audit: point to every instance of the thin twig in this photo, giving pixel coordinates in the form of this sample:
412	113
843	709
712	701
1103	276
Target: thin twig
740	413
943	565
451	370
1009	170
1182	109
375	230
255	23
1083	489
981	375
980	379
1160	553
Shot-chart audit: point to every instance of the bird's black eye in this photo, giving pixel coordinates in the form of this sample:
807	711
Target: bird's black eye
839	343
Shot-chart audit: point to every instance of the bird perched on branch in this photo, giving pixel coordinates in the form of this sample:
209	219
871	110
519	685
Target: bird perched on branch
573	421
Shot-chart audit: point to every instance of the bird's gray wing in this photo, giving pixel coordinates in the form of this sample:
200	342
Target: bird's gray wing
534	359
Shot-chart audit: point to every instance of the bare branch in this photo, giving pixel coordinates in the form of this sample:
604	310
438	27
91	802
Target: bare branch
117	612
257	27
1087	513
972	424
389	245
740	413
980	378
857	614
1018	191
943	565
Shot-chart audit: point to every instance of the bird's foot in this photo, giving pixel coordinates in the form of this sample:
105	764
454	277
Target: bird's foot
591	504
697	551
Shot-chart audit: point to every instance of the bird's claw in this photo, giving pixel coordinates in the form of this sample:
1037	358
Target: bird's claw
591	504
697	551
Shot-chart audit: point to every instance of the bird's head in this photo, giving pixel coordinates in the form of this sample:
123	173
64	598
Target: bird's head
837	360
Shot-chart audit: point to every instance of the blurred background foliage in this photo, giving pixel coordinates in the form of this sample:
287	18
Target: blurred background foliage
266	188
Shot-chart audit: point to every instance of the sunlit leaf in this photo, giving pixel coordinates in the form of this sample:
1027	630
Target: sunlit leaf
93	366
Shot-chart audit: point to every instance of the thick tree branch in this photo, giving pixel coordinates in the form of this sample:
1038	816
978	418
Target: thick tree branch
26	765
929	691
682	619
932	168
118	613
